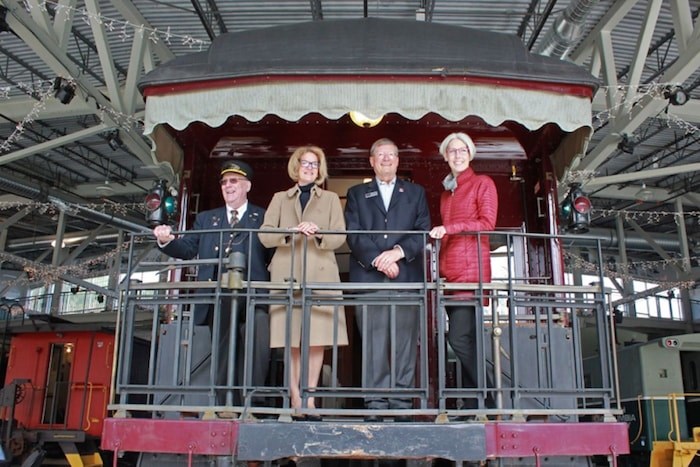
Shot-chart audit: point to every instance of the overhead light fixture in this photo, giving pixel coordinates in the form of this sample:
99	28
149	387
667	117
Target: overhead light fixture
114	141
676	95
627	143
105	189
363	121
63	90
644	194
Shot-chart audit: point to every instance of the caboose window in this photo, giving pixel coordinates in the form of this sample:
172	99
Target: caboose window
57	384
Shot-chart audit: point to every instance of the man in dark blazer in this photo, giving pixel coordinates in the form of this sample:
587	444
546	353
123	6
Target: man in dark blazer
387	203
237	213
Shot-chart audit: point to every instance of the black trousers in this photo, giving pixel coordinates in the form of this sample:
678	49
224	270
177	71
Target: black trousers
377	347
462	338
259	360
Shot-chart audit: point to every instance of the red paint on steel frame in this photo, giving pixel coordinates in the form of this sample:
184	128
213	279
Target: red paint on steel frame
503	440
199	437
556	439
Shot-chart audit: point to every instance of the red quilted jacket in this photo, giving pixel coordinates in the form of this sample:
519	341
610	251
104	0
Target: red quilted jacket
471	207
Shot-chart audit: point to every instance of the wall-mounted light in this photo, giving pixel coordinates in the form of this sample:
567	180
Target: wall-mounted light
514	177
68	347
114	141
63	90
627	143
363	121
676	95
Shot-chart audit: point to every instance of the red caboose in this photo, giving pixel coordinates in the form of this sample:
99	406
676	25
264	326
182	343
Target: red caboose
60	374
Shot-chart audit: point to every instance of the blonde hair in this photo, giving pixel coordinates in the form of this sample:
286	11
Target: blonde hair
463	137
294	163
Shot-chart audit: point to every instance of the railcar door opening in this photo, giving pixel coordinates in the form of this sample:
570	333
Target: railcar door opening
57	392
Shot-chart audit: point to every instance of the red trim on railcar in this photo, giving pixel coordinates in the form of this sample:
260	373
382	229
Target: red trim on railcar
556	439
204	437
580	90
503	440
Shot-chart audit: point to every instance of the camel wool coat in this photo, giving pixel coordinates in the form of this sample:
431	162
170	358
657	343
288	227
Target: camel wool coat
284	212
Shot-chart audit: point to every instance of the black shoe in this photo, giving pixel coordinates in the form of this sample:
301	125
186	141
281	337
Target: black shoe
314	418
462	418
373	419
403	419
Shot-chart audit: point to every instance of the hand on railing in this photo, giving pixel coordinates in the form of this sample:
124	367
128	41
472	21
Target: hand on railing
438	232
306	228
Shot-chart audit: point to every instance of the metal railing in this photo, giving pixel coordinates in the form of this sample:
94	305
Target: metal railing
530	343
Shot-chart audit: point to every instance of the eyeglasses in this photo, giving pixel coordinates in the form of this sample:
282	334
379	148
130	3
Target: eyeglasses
460	151
386	155
231	181
309	164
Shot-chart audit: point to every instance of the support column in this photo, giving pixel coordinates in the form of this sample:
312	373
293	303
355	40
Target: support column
686	307
114	270
627	283
57	287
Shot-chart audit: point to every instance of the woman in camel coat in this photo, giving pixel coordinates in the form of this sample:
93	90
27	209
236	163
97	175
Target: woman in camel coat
304	210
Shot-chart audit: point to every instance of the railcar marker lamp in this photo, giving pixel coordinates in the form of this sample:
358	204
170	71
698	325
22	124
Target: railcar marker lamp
161	204
575	212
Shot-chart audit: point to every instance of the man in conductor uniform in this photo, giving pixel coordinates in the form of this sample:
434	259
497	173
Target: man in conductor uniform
387	203
237	213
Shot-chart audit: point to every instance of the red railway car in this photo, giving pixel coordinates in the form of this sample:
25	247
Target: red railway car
56	390
259	94
64	370
61	375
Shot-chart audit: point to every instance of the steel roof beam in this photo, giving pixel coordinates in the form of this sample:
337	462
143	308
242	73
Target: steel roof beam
63	21
54	143
132	97
202	18
643	43
45	45
16	217
588	46
134	16
635	109
687	63
214	9
539	25
76	251
645	174
105	54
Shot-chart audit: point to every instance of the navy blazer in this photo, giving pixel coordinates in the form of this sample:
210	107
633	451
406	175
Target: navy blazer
208	245
408	210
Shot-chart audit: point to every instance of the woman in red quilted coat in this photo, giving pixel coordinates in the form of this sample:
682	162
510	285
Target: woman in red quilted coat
468	204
